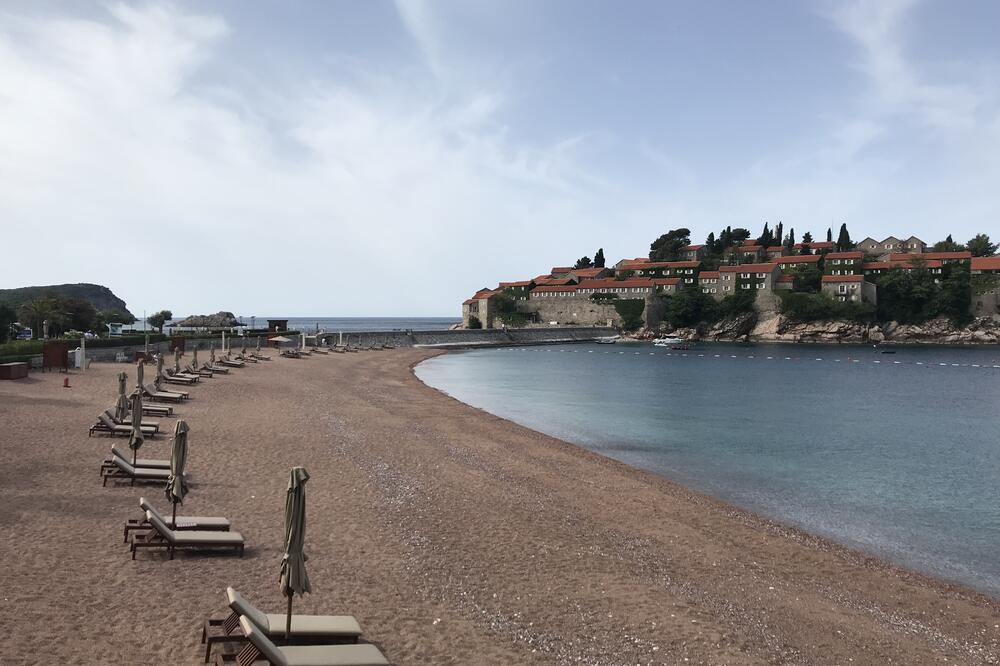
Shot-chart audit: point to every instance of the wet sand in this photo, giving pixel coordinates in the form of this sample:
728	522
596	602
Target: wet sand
452	535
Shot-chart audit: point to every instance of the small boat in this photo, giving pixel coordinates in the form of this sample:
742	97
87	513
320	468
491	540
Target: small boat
607	341
886	351
668	341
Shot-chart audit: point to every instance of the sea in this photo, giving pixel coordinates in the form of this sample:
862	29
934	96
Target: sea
896	454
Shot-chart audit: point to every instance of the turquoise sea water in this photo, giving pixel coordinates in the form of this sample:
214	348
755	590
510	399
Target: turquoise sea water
352	323
895	454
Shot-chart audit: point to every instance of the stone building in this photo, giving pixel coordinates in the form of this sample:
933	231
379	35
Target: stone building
694	252
985	286
843	263
817	247
891	244
708	282
797	260
852	288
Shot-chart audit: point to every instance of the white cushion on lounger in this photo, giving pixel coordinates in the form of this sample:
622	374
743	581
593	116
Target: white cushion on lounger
204	522
313	655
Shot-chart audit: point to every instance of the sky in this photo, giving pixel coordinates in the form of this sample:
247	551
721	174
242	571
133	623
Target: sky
389	159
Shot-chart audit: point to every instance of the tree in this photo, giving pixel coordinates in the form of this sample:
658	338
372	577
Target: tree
81	314
599	258
688	307
807	237
711	244
668	246
844	242
7	318
583	262
829	235
738	235
947	245
980	246
790	241
766	238
474	322
116	316
779	234
158	319
46	308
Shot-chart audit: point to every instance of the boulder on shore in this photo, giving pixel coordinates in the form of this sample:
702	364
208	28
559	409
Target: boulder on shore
217	320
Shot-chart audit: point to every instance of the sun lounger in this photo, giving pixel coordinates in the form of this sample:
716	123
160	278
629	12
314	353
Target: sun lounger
231	363
204	372
312	629
120	468
362	654
203	523
317	350
215	368
260	357
161	536
155	393
179	379
107	424
145	424
156	410
151	463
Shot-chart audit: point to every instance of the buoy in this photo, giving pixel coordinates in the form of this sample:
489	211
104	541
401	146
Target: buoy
66	382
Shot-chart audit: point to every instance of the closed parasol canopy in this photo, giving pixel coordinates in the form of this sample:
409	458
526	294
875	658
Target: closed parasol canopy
176	484
294	579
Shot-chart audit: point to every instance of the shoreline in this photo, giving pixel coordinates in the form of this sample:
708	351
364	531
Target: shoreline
453	535
749	516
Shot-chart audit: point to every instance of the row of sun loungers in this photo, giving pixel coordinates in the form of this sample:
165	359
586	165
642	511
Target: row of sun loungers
106	424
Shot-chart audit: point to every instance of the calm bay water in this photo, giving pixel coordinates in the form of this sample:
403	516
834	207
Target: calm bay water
352	323
898	455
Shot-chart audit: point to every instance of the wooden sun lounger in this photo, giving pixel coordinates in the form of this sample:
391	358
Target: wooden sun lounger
260	357
145	424
157	394
311	629
204	372
179	379
162	536
317	350
361	654
123	469
156	410
215	369
232	364
203	523
107	424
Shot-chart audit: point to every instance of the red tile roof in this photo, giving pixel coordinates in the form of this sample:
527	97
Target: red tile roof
986	263
817	245
666	282
519	283
749	243
587	272
906	256
786	278
843	278
552	289
643	265
798	259
708	274
845	255
551	281
469	301
690	248
611	283
775	248
748	268
872	265
561	269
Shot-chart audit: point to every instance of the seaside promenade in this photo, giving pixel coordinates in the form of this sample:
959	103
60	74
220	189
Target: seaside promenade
454	536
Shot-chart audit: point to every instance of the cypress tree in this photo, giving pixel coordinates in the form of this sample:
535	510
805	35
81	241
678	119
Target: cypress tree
599	258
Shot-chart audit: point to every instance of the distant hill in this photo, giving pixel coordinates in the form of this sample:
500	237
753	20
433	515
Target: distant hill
100	297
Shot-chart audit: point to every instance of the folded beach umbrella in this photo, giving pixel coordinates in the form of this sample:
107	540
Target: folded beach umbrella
135	437
121	406
243	345
294	579
176	485
159	369
194	357
139	365
177	359
211	353
258	344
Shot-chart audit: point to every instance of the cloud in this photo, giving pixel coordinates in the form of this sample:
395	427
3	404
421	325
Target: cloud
358	194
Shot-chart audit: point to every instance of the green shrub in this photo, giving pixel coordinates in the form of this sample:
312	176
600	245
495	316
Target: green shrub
801	307
474	322
630	312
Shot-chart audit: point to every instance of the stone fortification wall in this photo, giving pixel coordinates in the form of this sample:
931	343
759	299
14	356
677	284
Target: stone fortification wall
474	337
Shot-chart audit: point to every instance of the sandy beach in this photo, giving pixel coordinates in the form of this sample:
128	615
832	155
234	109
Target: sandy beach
454	536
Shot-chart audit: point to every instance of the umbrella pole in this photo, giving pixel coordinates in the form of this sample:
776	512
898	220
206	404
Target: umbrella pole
288	618
173	517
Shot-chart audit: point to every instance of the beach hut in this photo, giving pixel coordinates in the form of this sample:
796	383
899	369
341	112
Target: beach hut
294	579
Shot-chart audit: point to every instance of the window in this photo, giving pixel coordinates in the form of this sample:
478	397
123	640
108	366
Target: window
760	285
761	275
843	288
713	291
688	280
746	286
725	288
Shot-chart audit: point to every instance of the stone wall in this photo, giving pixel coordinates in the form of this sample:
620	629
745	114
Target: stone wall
469	337
579	310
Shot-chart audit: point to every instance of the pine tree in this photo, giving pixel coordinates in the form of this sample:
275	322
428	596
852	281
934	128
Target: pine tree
710	242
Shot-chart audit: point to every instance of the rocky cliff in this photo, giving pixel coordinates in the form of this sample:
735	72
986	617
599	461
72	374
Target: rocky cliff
775	328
